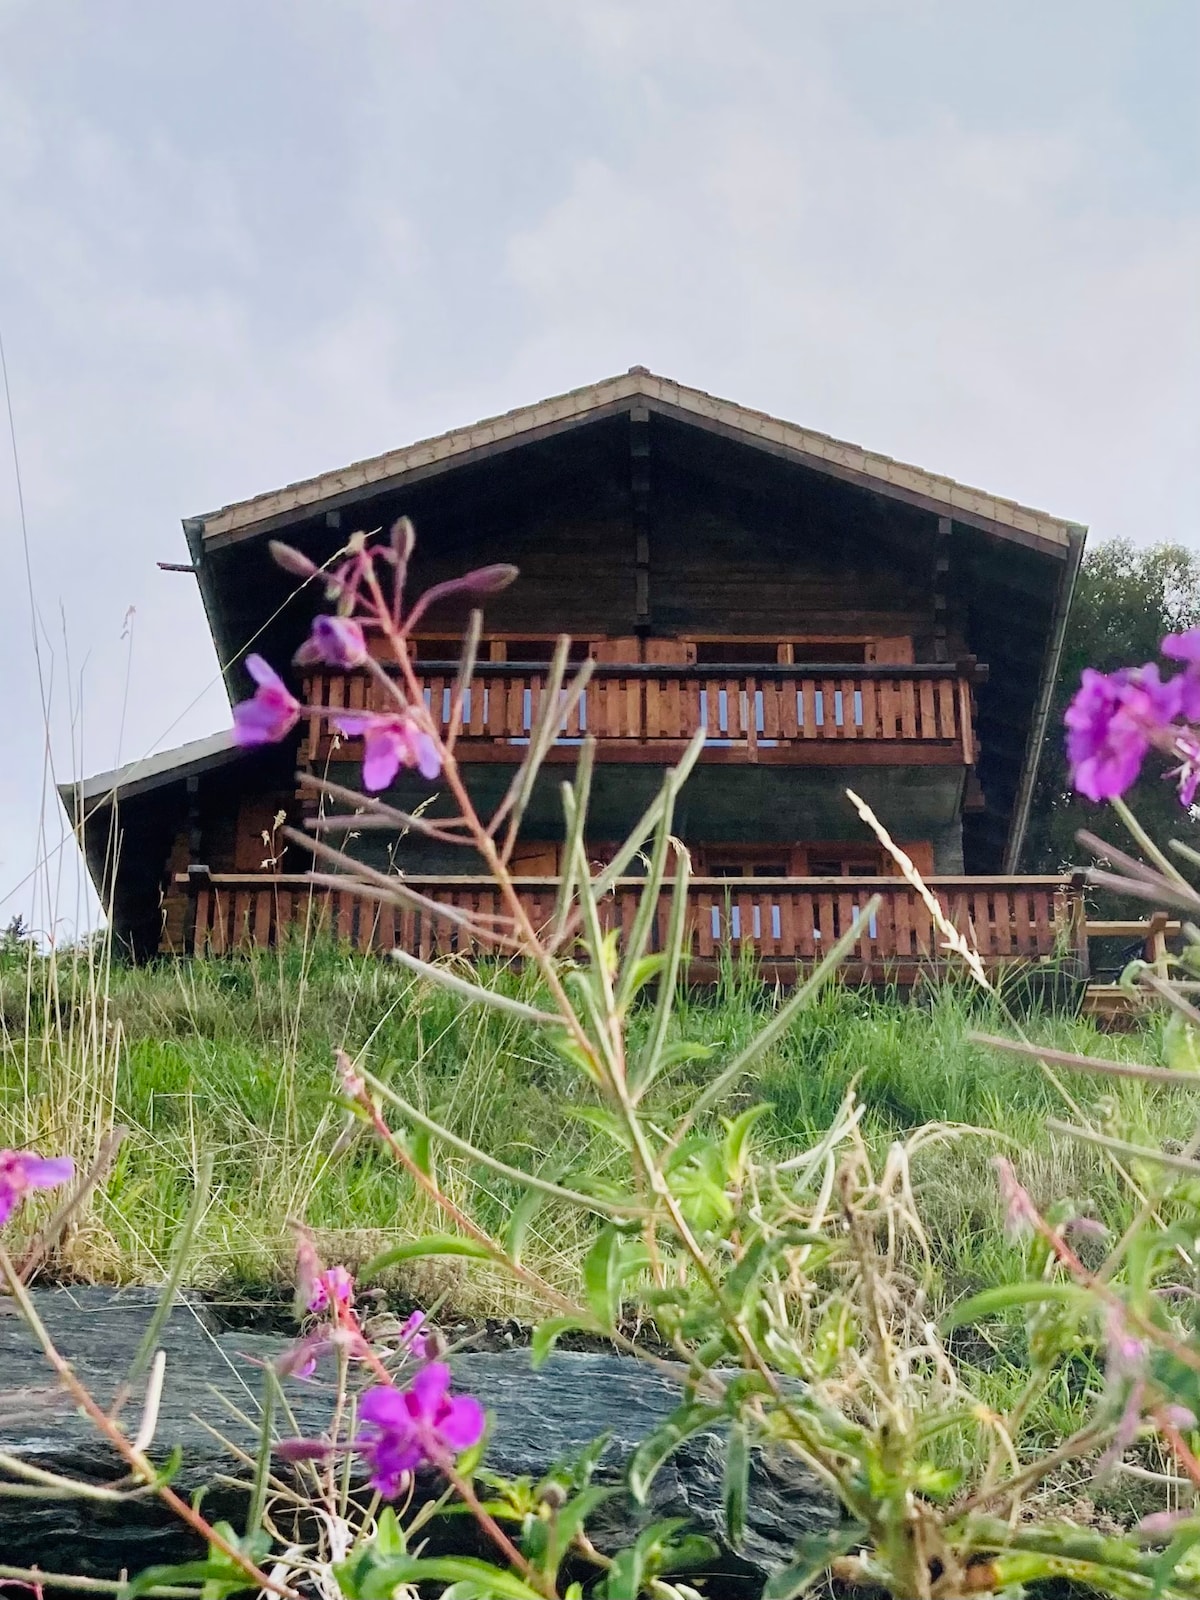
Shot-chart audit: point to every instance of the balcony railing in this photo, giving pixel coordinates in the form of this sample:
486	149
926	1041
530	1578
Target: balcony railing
896	713
786	921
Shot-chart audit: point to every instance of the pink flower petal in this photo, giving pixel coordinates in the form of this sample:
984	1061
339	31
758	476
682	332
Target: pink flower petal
428	1390
464	1422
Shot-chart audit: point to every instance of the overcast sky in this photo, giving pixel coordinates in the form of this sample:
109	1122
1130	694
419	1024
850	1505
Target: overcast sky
247	241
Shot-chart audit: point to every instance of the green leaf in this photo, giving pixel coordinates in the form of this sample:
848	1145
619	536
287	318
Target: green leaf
623	1580
602	1277
603	1121
737	1139
485	1579
737	1484
654	1449
640	974
419	1143
430	1244
219	1578
1186	1536
991	1302
569	1519
689	1550
547	1334
523	1214
812	1556
1181	1045
389	1535
758	1258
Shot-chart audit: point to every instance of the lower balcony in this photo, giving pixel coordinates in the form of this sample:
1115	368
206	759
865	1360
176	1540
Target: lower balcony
785	923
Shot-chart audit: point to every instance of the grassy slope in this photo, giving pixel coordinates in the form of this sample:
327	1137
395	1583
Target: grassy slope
236	1057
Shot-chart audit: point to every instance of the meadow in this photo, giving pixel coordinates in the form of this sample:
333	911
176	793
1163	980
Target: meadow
233	1061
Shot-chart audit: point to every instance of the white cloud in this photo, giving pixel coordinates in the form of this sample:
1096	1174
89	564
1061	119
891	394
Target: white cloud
240	249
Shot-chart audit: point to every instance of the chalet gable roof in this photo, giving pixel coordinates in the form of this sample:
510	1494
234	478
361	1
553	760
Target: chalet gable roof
427	457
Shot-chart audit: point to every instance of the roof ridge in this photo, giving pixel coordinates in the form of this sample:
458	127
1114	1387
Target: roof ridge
575	404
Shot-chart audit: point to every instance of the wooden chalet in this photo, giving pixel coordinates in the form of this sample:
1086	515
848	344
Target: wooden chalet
832	617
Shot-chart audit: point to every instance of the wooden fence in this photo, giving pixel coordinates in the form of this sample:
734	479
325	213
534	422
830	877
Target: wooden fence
787	921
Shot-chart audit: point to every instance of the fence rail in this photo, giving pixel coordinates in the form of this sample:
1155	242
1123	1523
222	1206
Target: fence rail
763	710
792	921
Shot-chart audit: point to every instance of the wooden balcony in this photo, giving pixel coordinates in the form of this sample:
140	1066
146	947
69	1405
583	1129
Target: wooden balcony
786	922
835	715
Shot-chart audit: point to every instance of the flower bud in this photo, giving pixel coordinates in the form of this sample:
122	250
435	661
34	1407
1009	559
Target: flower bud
291	560
404	537
488	580
294	1450
335	641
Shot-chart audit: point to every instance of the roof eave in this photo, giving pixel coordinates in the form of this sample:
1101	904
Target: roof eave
1049	676
445	452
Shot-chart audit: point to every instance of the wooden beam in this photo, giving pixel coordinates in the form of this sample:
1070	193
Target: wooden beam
639	501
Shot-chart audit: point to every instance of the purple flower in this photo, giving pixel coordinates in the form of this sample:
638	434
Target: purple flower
270	714
1111	724
299	1360
402	1428
392	742
334	641
332	1288
1183	647
412	1339
21	1170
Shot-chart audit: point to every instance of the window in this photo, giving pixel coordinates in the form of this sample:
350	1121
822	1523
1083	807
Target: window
848	864
538	651
737	652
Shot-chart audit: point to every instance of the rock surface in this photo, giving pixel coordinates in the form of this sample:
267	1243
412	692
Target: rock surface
537	1419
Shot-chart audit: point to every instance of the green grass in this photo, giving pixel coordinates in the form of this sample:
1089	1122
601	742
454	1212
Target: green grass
236	1058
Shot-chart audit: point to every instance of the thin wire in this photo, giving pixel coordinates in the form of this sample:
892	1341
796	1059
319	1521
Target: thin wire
35	622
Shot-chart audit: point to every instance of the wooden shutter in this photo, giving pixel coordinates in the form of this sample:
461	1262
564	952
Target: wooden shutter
896	652
624	651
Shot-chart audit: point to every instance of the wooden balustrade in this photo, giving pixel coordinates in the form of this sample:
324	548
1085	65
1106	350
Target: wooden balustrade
880	709
788	922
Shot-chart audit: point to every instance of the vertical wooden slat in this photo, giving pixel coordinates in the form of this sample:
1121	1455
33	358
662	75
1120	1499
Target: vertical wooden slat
886	703
928	720
810	729
870	720
823	901
947	725
1022	923
908	708
966	727
847	688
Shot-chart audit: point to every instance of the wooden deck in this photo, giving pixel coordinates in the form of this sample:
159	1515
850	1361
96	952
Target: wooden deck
786	922
839	714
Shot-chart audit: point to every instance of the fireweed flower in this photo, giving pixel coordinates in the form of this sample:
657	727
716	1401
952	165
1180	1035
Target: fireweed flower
1111	724
412	1340
402	1428
392	741
334	642
333	1288
272	711
21	1171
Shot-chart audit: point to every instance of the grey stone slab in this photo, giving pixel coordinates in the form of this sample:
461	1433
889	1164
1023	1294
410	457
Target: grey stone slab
538	1418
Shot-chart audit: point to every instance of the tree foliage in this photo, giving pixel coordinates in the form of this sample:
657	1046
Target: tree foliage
1126	599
